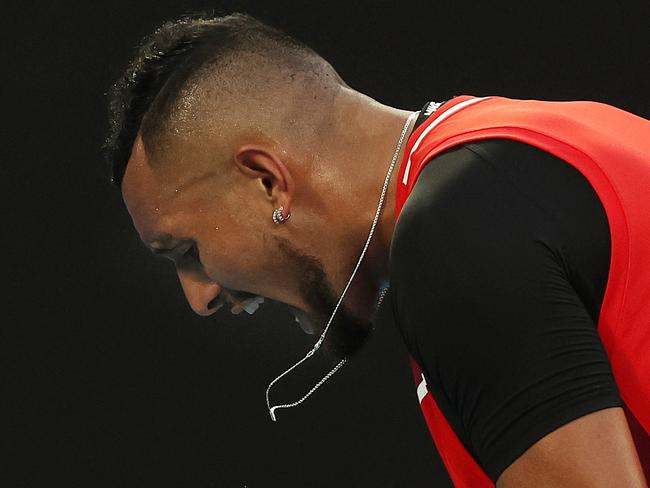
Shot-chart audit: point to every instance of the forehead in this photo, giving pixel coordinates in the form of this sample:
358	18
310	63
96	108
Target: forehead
146	194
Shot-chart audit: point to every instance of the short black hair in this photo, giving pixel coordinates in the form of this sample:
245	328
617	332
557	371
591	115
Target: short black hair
170	56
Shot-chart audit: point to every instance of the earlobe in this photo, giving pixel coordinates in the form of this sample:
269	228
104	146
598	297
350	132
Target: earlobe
263	163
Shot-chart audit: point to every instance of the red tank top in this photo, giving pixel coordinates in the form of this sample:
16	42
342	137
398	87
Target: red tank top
611	148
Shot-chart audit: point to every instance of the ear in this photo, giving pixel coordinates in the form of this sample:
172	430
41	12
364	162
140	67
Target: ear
262	163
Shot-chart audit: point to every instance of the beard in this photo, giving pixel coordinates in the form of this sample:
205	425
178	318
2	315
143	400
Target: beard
346	333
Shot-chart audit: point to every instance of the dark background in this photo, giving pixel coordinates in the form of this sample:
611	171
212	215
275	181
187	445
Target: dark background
107	378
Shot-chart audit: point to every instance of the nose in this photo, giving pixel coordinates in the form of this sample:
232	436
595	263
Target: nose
200	291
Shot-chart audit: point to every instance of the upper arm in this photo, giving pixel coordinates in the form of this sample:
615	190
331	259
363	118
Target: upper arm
486	294
593	451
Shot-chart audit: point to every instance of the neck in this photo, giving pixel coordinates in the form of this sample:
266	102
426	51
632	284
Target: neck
379	250
371	132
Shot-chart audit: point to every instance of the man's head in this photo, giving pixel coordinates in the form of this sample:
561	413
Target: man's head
218	76
222	120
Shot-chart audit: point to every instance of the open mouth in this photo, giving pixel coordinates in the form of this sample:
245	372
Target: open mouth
243	301
251	305
304	321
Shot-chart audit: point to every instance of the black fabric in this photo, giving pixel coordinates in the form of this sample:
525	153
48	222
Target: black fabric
427	110
499	263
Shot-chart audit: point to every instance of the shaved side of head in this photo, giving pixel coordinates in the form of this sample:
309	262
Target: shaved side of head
199	82
246	94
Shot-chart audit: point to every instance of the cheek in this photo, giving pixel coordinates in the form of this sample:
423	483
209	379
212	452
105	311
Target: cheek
233	256
239	252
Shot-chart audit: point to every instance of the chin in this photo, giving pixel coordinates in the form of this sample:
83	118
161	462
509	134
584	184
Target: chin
345	336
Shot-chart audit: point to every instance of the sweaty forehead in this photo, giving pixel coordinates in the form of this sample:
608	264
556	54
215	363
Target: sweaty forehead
139	177
144	191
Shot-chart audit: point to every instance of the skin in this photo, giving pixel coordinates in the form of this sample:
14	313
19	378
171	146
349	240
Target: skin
212	210
222	203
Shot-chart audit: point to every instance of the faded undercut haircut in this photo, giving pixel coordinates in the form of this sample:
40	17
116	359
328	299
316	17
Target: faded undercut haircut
188	51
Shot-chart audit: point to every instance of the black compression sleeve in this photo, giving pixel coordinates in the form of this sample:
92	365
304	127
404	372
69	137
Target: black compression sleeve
498	268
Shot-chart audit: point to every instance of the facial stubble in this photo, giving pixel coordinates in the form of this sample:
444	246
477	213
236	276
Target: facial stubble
347	333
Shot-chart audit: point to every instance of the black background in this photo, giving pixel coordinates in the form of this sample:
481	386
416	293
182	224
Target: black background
107	378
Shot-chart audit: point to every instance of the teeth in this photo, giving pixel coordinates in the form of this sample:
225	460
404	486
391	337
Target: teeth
252	304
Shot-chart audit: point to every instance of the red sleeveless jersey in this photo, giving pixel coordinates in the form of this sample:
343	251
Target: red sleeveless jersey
611	148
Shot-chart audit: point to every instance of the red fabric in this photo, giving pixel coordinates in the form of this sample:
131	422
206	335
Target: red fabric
611	148
461	466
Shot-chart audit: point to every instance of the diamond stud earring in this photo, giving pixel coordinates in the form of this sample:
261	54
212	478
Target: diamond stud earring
278	217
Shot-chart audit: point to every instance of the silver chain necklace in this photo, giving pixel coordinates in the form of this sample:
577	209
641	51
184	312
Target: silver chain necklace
347	286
